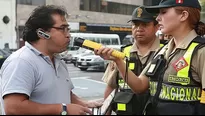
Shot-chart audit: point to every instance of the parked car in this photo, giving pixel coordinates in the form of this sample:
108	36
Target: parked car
66	56
92	62
75	57
3	55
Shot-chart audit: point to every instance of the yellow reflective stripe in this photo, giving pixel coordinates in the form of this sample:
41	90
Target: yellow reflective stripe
176	93
121	107
202	99
187	56
1	56
122	84
127	51
161	45
131	66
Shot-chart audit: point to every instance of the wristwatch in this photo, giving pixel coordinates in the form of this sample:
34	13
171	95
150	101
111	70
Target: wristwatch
64	112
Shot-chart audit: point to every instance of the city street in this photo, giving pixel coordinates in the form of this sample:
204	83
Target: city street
88	84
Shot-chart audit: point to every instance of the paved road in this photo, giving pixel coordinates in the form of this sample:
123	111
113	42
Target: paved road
88	84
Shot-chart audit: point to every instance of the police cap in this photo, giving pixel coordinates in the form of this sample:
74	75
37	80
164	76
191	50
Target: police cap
140	14
173	3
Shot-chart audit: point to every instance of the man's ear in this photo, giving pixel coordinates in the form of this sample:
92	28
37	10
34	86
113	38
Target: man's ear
184	15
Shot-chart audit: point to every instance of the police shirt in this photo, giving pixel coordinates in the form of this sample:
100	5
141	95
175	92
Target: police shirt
111	72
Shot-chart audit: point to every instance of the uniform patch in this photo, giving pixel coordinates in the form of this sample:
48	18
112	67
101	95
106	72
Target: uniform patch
180	64
179	80
179	1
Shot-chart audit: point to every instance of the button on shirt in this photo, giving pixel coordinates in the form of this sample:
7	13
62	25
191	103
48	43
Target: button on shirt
29	72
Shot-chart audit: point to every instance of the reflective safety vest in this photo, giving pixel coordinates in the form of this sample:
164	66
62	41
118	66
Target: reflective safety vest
178	90
138	101
133	62
133	104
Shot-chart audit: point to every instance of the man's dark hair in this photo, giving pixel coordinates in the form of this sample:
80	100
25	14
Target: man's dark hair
41	17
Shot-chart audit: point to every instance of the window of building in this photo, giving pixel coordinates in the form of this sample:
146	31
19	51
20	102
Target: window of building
32	2
202	2
106	7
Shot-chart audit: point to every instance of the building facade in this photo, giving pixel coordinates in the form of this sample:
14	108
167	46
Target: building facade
89	16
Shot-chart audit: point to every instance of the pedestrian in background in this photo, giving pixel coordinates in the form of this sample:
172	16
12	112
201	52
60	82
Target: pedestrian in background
7	48
34	79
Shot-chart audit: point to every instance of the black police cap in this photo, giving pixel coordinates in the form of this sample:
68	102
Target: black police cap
140	14
173	3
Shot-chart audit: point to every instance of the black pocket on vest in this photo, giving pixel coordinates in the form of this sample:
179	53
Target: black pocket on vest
127	103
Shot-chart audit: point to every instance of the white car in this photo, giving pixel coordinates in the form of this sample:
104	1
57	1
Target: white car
75	57
92	62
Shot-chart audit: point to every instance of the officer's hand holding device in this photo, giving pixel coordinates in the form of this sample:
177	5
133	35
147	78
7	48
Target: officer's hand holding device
93	45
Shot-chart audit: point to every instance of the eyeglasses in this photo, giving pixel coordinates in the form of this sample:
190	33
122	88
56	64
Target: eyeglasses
65	29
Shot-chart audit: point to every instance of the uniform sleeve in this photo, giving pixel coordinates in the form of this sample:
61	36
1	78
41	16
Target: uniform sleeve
110	75
17	77
144	71
200	67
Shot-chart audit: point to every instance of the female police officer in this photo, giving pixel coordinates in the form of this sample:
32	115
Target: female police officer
175	75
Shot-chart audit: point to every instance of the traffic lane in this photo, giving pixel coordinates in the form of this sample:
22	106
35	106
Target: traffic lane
87	88
87	84
75	72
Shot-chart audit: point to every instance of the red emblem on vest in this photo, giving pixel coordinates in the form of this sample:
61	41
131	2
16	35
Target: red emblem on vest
179	1
180	64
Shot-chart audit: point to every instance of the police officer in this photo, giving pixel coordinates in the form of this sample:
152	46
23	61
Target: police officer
176	74
144	27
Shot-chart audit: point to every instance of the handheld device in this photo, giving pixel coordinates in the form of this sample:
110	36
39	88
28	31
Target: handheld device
93	45
43	34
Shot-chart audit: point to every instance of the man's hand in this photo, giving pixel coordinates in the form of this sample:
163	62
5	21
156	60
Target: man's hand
75	109
94	103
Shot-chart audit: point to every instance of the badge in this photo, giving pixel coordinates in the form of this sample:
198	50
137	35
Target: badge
180	64
139	12
179	1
